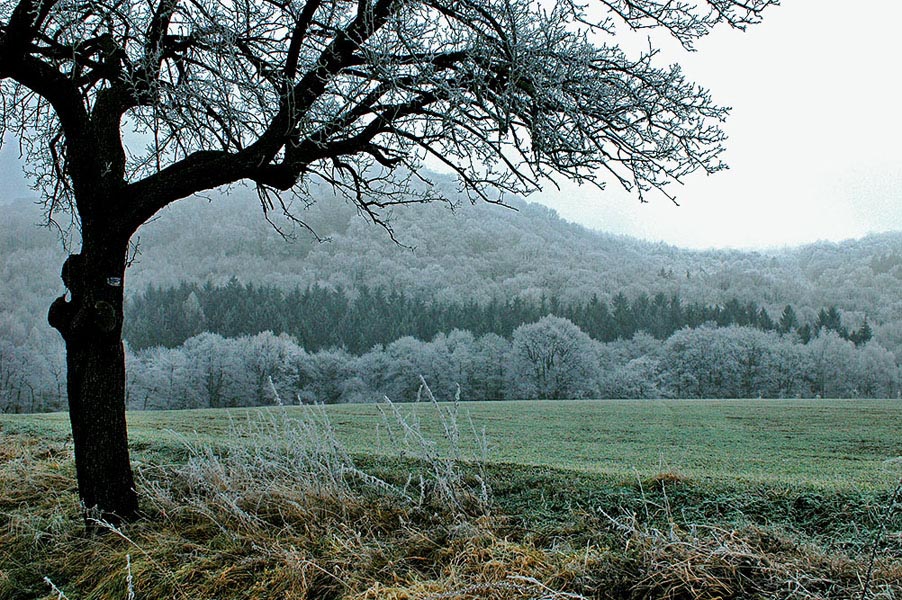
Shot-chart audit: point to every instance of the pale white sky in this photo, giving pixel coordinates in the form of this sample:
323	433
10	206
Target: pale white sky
815	148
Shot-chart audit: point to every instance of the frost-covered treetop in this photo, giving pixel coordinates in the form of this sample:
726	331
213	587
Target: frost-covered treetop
503	92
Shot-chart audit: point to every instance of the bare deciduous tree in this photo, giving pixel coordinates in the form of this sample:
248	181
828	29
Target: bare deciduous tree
503	92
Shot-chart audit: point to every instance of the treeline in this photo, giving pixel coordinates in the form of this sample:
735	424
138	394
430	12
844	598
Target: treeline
356	320
551	358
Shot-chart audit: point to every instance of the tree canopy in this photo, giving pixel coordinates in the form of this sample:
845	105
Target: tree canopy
503	92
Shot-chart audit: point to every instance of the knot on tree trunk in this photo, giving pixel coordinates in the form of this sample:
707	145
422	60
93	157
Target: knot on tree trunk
105	316
73	273
61	315
92	309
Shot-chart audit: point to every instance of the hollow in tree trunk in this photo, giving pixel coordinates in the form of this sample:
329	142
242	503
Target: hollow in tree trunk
90	321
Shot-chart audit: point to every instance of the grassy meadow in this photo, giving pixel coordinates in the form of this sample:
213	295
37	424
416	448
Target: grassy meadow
708	499
830	444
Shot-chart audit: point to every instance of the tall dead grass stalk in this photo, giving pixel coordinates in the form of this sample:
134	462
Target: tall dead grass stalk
443	482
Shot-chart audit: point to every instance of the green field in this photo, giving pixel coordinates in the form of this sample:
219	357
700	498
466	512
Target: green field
837	444
708	499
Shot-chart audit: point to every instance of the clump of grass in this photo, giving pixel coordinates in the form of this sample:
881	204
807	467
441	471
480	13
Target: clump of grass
708	562
442	482
270	455
888	511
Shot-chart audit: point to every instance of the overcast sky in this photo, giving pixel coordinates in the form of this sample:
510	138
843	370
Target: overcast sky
815	135
815	148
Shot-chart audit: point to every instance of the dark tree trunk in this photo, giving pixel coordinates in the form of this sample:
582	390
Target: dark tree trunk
90	322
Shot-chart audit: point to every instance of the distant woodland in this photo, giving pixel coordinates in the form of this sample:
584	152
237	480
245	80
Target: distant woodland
481	301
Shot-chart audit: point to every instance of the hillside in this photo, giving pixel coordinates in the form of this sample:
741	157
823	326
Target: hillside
475	253
482	252
381	313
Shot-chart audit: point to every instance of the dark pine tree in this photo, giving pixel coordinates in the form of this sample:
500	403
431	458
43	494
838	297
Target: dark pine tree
788	320
863	334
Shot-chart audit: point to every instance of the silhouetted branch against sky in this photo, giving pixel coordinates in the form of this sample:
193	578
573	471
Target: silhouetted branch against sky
812	134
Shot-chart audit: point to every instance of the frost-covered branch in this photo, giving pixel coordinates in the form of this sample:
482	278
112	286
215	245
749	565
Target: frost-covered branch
506	93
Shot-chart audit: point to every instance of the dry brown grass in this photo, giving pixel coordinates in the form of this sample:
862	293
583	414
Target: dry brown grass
247	524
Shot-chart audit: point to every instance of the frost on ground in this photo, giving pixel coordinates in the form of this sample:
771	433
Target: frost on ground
280	509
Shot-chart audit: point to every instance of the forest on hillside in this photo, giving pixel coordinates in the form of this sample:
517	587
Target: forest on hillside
353	306
356	320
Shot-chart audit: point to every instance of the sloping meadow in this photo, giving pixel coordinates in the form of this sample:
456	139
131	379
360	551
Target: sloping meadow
278	508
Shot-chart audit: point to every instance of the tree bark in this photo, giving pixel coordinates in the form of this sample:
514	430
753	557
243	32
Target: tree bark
90	321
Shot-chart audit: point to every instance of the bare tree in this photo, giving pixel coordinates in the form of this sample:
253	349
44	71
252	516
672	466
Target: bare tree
357	93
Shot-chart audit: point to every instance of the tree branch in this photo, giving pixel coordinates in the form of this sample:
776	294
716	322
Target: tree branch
204	170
